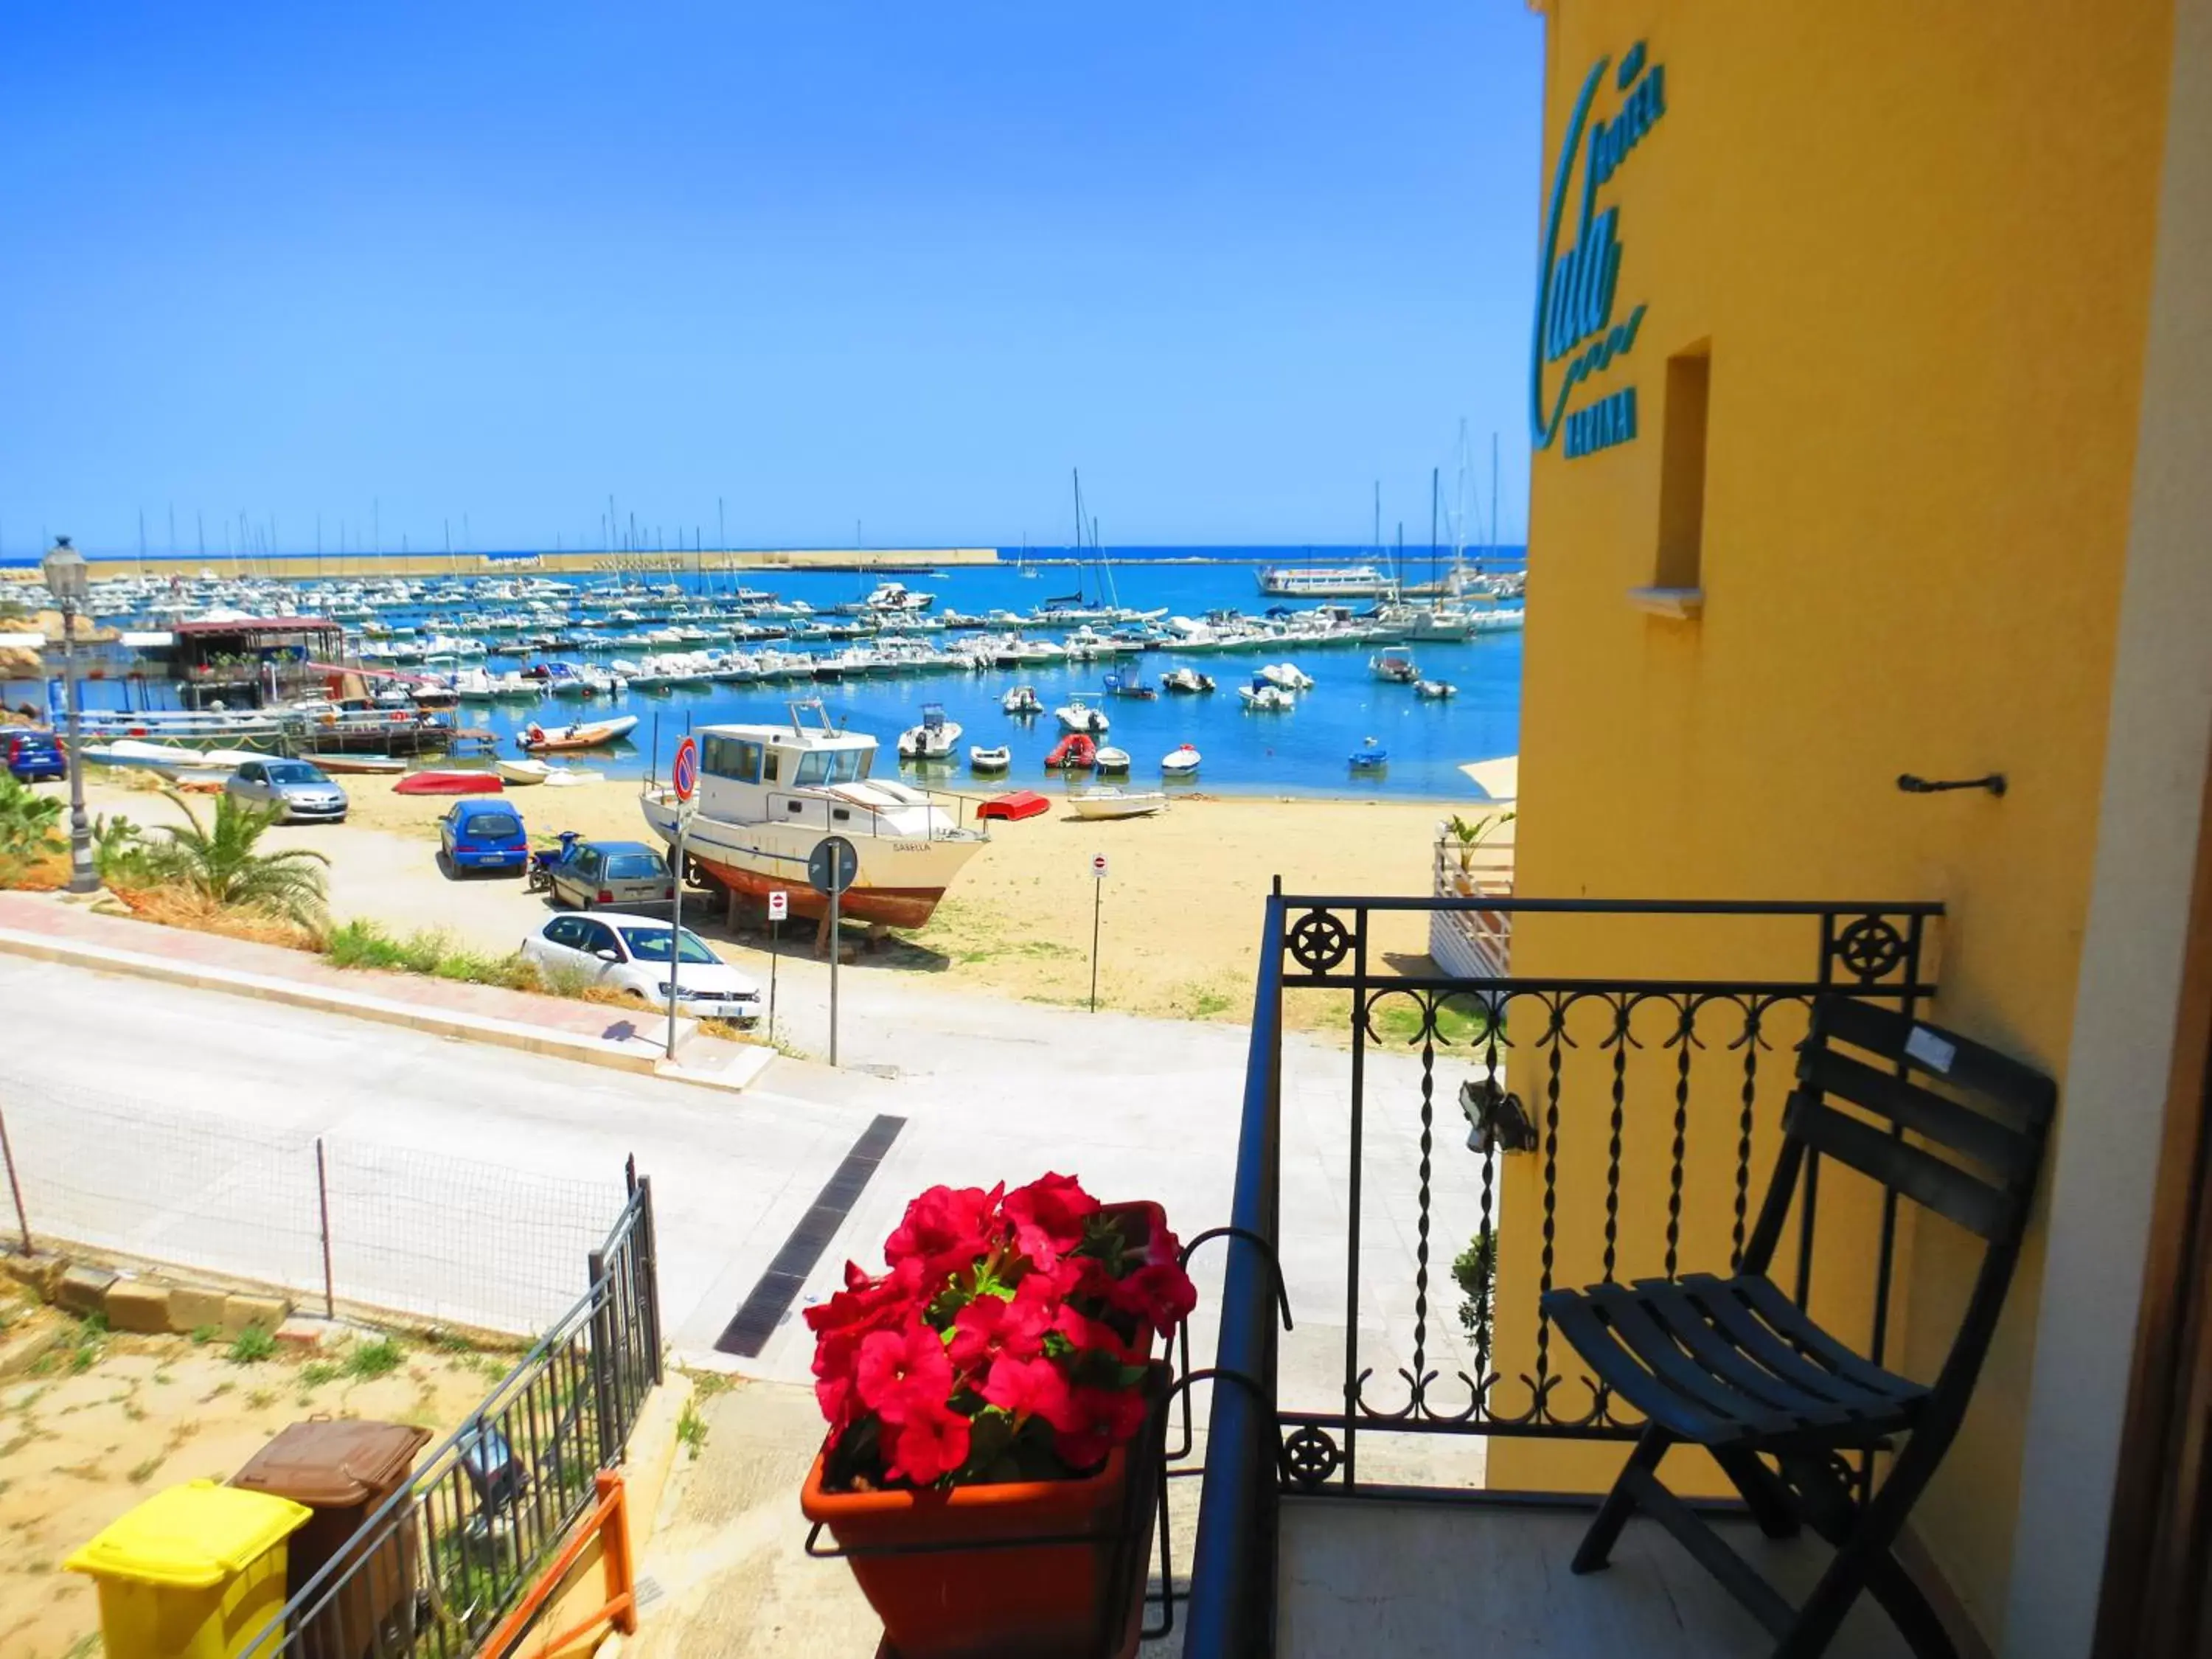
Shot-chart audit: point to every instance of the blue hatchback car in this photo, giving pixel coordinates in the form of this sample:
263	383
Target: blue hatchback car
484	834
34	757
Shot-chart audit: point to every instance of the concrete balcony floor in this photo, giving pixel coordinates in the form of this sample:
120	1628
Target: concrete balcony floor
1409	1581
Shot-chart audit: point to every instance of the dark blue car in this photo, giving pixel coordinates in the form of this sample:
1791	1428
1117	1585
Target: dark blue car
482	834
34	755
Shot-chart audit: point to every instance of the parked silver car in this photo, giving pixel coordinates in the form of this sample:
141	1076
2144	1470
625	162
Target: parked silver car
303	793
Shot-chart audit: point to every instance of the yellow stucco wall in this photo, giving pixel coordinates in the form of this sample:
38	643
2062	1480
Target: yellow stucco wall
1917	239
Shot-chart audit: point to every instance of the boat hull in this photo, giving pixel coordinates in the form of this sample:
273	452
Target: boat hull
900	884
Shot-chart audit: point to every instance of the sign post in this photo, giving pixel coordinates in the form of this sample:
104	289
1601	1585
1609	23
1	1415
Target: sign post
683	777
831	868
779	907
1097	899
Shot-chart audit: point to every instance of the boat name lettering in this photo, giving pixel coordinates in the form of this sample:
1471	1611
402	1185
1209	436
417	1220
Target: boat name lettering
1575	289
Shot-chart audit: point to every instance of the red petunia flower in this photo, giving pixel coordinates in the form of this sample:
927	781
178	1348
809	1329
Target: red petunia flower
1048	1215
903	1373
945	1230
926	1446
1099	1420
1030	1387
991	1326
1159	1293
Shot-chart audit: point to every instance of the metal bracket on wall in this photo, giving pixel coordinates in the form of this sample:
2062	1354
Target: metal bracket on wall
1994	782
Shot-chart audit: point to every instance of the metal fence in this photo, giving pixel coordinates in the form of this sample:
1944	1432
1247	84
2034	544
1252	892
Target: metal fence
341	1220
1637	1108
447	1557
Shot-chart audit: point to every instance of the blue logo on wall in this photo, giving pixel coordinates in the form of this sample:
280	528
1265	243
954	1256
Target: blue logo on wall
1574	288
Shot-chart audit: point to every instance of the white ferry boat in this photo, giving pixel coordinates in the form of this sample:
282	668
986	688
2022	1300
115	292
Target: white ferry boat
1350	581
767	794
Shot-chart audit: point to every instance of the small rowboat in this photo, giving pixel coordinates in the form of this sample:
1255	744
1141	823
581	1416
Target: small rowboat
1117	803
1179	763
1021	804
1110	759
1434	690
981	759
449	783
522	772
1370	757
364	764
585	734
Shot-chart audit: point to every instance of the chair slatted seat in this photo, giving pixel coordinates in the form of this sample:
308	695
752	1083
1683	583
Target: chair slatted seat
1735	1366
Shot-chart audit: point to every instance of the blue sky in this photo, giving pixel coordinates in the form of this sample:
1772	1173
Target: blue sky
829	261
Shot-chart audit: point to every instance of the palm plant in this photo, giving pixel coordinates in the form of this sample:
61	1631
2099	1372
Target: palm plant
221	864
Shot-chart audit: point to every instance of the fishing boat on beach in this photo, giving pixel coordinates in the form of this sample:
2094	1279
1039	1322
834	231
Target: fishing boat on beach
584	734
1117	803
768	794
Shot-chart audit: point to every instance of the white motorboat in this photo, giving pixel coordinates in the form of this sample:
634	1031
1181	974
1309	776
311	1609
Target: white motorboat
476	685
1117	803
1394	667
1265	699
1434	690
1022	700
768	794
1179	763
1077	715
1287	676
936	738
585	734
982	759
1110	759
1186	681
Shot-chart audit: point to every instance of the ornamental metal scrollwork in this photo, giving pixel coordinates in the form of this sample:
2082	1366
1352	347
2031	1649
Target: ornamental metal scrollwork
1870	947
1319	941
1311	1456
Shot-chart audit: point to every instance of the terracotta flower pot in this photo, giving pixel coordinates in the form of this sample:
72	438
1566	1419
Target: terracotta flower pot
1004	1598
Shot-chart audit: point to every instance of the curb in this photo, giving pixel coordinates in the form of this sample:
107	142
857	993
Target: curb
467	1027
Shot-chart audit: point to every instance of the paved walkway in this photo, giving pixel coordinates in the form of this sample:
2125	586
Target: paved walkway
569	1025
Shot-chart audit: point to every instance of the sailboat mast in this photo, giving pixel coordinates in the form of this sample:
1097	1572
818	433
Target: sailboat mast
1436	499
1493	494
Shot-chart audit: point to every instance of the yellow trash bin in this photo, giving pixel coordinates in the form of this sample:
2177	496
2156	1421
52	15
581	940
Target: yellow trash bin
194	1572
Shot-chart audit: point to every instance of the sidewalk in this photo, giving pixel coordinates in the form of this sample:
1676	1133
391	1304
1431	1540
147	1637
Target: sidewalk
56	927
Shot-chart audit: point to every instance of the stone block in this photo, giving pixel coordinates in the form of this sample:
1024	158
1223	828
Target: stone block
309	1334
37	1273
81	1289
137	1304
191	1308
266	1311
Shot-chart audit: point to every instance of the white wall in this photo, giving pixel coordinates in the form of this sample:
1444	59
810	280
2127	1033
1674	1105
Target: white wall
2104	1168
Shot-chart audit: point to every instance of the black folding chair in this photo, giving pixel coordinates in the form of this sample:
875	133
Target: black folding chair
1735	1366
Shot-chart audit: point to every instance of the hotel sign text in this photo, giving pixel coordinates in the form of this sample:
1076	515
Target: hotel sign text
1574	288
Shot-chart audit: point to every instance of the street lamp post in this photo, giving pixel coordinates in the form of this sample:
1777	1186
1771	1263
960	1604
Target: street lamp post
70	583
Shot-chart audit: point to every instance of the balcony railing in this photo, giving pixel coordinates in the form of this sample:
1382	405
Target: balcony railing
1619	1124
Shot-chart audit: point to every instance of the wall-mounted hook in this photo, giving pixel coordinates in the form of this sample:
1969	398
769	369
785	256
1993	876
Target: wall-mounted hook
1995	783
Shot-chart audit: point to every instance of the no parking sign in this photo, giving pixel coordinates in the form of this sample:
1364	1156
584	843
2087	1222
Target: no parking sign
684	774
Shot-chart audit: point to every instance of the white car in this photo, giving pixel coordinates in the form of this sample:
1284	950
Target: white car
630	953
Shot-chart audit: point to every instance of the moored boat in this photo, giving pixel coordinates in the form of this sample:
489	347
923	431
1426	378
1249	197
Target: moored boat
1265	699
1434	690
1077	715
1180	761
1370	757
584	734
935	739
1110	759
1022	700
1394	667
1075	752
1186	681
982	759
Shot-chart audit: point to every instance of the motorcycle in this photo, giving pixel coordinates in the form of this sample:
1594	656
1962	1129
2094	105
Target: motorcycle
543	861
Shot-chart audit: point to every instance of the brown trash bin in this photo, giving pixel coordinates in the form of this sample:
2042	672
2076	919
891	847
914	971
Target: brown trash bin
343	1470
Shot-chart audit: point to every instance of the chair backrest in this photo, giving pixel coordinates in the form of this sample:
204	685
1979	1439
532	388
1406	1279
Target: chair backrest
1969	1149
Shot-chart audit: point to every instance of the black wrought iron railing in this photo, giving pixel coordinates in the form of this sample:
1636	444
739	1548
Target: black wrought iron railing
1618	1124
442	1561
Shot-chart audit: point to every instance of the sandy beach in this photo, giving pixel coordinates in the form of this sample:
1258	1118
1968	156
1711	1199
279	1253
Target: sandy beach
1179	919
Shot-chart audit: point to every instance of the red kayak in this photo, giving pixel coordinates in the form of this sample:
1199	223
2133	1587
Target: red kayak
449	783
1075	752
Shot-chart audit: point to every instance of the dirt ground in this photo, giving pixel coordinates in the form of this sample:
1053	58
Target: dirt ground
1179	912
91	1422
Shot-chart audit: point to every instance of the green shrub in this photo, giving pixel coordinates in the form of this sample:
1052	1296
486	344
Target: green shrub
30	822
429	950
252	1346
1476	1272
370	1360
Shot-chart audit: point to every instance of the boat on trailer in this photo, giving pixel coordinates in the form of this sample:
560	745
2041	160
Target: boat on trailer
767	795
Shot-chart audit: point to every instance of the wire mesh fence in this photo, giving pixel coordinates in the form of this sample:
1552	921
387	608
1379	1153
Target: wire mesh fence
336	1217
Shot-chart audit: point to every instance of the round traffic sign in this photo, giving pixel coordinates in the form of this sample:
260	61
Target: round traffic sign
1099	866
833	866
779	905
684	774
